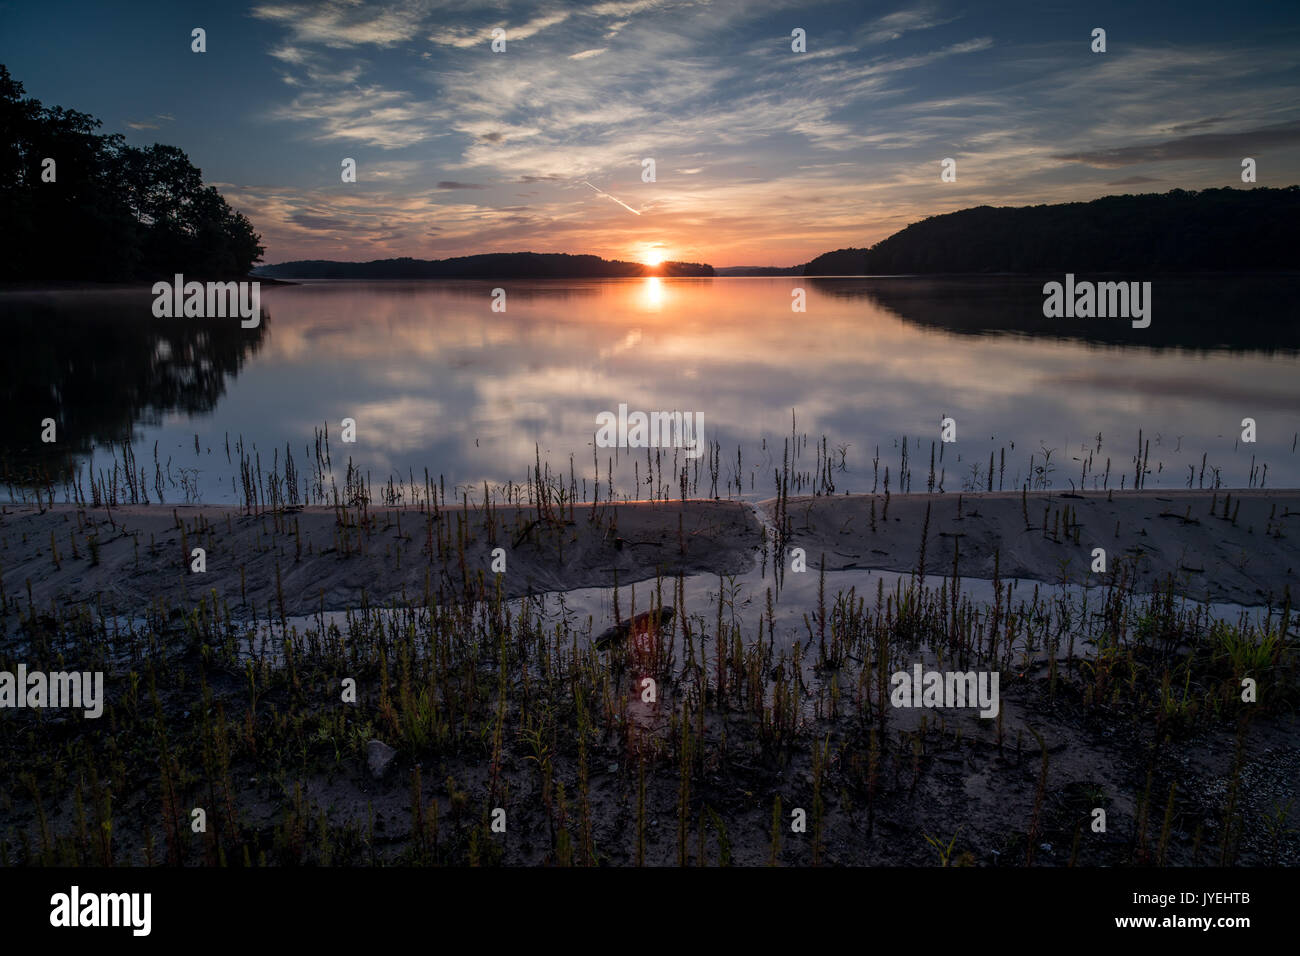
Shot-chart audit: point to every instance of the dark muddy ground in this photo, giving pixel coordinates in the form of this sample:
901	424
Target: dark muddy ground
480	706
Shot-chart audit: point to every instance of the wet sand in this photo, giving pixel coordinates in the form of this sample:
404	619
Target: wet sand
1248	557
331	560
323	558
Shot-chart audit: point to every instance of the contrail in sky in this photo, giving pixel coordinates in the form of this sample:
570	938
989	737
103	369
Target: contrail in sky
617	200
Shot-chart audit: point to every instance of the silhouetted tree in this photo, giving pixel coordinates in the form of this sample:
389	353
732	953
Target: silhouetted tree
113	211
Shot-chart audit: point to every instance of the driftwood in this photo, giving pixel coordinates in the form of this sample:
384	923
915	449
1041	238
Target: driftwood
636	625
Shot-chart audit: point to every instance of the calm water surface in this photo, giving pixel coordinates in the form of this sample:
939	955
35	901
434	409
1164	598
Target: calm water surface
435	379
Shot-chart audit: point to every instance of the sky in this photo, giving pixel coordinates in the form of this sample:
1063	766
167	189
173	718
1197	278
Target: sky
762	155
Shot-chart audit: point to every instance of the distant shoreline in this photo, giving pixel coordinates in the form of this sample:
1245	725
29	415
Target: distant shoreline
88	285
896	275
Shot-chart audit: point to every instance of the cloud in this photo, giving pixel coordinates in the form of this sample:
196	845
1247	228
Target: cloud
371	115
341	23
762	155
894	25
308	221
465	37
153	123
1197	124
396	171
1199	146
290	54
624	8
890	64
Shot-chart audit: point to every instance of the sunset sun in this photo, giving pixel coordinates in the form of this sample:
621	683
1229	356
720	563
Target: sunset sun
649	252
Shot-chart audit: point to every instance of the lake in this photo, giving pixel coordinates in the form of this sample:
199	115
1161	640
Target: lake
435	379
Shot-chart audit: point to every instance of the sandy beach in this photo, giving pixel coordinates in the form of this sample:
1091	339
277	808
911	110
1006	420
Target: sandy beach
1244	548
1247	556
321	557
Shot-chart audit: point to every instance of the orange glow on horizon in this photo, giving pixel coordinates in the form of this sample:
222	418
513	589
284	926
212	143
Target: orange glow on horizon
651	254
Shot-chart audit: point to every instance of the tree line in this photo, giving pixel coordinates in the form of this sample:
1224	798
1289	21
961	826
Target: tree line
1213	230
78	204
491	265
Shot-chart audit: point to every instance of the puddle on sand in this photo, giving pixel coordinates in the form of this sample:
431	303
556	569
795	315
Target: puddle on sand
794	604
